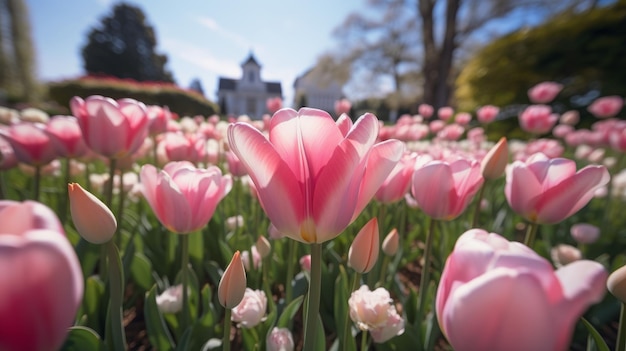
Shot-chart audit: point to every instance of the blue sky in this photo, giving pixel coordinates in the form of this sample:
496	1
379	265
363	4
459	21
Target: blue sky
202	38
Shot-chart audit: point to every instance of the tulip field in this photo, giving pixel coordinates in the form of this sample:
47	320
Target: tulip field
124	228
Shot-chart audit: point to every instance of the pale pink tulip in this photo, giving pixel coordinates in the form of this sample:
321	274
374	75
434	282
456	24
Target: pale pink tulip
93	220
31	144
251	259
494	163
537	119
374	311
443	190
111	128
436	125
425	110
263	246
182	196
280	339
570	118
445	113
342	106
305	263
232	286
562	130
41	278
397	183
545	190
564	254
463	118
391	243
251	310
607	106
617	283
585	233
159	118
363	252
312	179
235	167
487	114
183	147
171	300
451	132
67	132
501	295
544	92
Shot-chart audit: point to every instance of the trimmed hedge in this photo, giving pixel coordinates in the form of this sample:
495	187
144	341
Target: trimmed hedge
183	102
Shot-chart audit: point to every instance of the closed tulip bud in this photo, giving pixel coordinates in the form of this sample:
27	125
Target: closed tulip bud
232	286
391	243
585	233
363	252
494	163
93	220
617	283
263	246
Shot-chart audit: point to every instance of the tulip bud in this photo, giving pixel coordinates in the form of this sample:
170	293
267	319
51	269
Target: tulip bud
305	263
363	252
563	255
495	161
280	339
232	286
391	243
93	220
263	246
171	300
585	233
617	283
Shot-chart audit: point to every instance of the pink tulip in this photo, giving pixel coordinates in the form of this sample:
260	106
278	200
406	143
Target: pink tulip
463	118
235	167
274	104
607	106
93	220
397	183
41	278
391	243
537	119
445	113
570	117
443	190
562	130
374	311
544	92
494	163
31	144
251	310
425	110
7	155
183	197
363	252
232	286
159	118
311	178
501	295
305	263
111	128
544	190
280	339
585	233
342	106
451	132
487	114
436	125
66	131
183	147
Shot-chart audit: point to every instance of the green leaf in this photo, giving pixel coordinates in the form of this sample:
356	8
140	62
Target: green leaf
82	338
141	271
185	341
597	338
289	312
92	302
341	310
320	335
158	333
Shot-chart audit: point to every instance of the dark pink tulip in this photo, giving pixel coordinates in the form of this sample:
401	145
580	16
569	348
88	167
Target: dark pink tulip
501	295
41	278
607	106
487	114
397	183
31	144
544	92
443	190
311	179
66	131
537	119
545	190
182	196
111	128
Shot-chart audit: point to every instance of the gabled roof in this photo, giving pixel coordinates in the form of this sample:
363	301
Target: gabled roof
227	84
274	88
251	60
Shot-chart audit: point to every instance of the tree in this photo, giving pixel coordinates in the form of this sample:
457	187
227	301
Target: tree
123	46
196	85
583	51
17	54
429	33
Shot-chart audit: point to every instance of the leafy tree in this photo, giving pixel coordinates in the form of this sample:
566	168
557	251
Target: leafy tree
17	54
123	46
583	51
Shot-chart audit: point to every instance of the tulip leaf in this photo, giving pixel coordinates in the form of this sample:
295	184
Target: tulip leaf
88	255
341	309
320	337
92	302
185	341
597	338
196	248
158	333
289	312
141	271
82	338
250	338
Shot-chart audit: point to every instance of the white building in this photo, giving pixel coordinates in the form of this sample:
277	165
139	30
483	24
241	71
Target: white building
247	95
317	91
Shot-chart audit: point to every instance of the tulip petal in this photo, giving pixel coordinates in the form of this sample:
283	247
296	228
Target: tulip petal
520	320
434	199
521	189
279	191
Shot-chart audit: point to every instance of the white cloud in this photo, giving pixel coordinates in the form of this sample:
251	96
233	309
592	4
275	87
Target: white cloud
232	36
201	57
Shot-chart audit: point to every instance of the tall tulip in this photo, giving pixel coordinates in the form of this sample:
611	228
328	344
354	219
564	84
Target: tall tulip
41	278
501	295
314	176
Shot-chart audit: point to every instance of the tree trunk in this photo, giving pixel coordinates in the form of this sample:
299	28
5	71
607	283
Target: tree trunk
23	48
429	71
446	55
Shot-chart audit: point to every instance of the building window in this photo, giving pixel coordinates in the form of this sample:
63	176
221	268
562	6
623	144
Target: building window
251	106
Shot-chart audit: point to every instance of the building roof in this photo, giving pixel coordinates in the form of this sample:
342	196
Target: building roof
227	84
251	60
274	88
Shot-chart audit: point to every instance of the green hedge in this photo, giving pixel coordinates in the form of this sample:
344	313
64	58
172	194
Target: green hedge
183	102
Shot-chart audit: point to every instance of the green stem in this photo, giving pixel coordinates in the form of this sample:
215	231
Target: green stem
226	339
383	270
425	278
620	345
66	192
293	249
478	201
2	186
313	298
37	184
364	340
116	287
120	211
346	325
531	234
184	275
108	196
